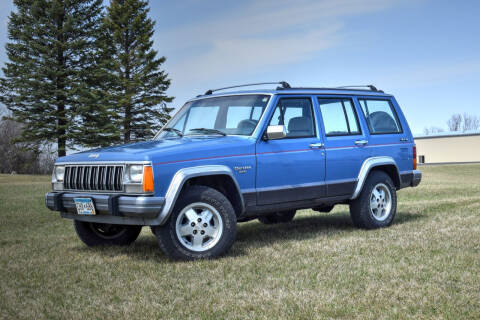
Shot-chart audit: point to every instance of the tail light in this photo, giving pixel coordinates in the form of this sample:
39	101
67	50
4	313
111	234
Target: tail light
147	179
414	157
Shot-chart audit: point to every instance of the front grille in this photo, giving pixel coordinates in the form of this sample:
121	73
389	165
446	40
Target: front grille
93	177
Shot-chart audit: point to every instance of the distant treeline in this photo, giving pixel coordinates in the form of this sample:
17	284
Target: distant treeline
457	122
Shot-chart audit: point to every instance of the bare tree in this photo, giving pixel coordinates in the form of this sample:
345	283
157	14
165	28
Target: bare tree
22	157
432	130
470	122
455	122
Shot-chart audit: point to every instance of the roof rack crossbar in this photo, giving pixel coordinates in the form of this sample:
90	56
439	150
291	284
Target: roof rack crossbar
283	85
370	86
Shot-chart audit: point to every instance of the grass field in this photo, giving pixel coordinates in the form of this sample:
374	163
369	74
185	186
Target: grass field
427	265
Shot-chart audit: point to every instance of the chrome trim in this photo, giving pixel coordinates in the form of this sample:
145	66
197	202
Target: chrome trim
183	175
361	142
93	163
367	165
316	145
74	185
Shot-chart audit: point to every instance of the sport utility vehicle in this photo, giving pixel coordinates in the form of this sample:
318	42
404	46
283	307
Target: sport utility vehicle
237	156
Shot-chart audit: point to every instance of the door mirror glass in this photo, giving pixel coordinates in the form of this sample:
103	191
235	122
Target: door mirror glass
276	132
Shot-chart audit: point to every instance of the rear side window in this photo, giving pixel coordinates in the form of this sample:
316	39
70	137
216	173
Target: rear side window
339	117
380	115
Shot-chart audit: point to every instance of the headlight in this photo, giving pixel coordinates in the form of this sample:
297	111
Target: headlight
59	173
135	173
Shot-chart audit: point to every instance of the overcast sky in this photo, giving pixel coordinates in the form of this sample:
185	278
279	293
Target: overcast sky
426	53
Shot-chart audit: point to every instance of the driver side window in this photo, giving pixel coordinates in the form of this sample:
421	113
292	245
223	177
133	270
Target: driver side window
296	114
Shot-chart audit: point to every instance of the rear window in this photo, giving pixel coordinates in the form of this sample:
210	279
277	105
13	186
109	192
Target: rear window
380	115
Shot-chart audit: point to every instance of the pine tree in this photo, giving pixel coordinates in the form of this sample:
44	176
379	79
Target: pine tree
51	48
140	98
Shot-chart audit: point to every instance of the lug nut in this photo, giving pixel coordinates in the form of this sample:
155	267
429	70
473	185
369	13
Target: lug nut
205	225
202	232
199	220
193	224
194	231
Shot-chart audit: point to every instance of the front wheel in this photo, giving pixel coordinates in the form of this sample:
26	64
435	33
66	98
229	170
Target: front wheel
376	205
203	224
95	234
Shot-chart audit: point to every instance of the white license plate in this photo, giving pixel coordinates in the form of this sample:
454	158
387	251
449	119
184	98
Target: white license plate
84	206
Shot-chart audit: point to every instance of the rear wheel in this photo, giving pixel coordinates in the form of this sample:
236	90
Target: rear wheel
203	224
95	234
376	205
278	217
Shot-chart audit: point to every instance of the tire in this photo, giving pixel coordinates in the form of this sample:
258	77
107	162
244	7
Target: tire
384	199
185	236
97	234
278	217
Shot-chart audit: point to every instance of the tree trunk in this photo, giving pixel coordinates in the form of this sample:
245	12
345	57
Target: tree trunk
128	107
60	84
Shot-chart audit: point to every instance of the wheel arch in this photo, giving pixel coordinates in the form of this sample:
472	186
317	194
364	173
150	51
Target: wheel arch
218	177
386	164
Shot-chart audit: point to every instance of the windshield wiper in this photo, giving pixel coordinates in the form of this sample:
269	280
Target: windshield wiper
207	130
178	132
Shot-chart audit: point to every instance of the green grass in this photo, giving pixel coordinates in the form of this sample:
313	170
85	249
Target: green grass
426	265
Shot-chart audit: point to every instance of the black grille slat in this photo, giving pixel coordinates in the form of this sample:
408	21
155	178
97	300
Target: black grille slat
94	177
65	178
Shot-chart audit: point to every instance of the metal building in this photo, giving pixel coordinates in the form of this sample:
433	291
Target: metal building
448	147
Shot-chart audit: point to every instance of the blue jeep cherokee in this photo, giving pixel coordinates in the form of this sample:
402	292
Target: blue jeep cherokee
237	156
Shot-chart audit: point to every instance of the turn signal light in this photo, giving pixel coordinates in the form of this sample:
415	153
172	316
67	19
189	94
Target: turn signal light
147	179
414	157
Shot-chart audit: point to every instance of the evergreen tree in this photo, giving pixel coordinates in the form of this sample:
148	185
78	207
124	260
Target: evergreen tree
139	85
51	50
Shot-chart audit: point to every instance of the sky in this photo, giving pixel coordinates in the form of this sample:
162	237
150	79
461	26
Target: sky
426	53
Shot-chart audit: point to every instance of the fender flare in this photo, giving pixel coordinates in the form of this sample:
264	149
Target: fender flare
367	166
179	179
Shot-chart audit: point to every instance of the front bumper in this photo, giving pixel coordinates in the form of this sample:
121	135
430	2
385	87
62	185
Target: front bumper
115	209
417	177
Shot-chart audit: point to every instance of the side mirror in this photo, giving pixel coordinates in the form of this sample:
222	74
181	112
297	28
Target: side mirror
276	132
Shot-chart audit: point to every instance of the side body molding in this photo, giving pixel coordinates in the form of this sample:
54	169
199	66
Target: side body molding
183	175
368	165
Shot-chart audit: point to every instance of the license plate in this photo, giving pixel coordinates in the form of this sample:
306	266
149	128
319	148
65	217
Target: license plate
85	206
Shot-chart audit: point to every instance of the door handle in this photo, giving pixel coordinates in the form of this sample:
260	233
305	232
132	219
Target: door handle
361	142
316	145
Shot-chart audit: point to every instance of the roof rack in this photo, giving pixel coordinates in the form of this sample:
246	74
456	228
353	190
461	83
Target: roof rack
370	88
283	85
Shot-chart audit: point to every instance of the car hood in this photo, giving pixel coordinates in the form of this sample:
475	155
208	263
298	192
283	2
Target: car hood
166	150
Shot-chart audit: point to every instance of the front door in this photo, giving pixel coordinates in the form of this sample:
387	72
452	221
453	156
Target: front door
292	168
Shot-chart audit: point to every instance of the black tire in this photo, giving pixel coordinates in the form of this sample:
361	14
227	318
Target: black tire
97	234
166	234
278	217
360	211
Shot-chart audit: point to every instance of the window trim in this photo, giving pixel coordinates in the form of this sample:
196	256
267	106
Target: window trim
357	120
392	108
314	135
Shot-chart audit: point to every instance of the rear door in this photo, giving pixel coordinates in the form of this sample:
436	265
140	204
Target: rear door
292	168
345	143
388	137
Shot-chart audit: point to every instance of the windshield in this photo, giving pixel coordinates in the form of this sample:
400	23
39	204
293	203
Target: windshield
229	115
